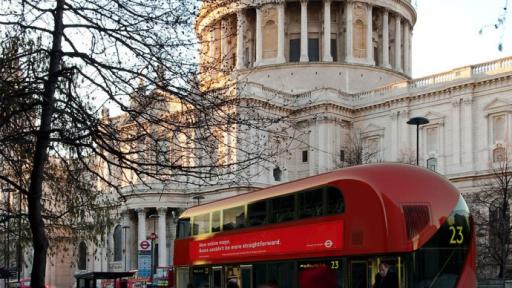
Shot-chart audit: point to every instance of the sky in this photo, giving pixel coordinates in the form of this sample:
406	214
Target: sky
446	34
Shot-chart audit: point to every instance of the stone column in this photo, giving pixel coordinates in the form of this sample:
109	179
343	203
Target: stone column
313	148
398	43
406	48
327	57
410	51
224	34
162	237
259	37
456	151
172	237
468	135
127	225
304	31
240	19
141	226
280	33
385	39
393	140
349	47
369	35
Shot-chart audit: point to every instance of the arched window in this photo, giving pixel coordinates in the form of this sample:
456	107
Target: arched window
432	164
269	40
359	39
82	256
118	248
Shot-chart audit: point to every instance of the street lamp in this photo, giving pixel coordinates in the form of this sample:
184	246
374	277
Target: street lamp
418	121
7	197
18	248
125	227
198	198
153	237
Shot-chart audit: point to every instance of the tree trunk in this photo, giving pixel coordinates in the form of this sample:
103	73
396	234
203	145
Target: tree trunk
39	237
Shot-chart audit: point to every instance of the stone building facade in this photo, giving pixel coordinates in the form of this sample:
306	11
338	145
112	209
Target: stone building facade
339	67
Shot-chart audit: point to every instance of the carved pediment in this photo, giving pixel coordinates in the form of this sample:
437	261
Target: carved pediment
498	105
372	130
434	117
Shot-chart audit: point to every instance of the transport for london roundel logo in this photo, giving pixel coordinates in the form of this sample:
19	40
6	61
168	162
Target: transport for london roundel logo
328	243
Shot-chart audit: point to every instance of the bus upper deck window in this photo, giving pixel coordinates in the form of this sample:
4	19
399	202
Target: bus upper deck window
233	218
334	201
257	213
310	203
201	224
283	208
216	221
183	228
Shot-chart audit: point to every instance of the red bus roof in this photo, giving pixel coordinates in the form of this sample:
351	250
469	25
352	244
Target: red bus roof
378	198
399	182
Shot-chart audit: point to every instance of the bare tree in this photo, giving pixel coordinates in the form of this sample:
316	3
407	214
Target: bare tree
359	150
137	58
491	210
407	156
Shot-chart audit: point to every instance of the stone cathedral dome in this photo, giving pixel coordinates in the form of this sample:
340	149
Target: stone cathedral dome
283	44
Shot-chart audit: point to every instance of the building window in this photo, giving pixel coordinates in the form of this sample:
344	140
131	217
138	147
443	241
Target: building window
334	50
372	150
342	155
277	173
269	40
499	154
118	249
359	38
294	50
432	139
432	164
313	50
498	128
304	156
82	256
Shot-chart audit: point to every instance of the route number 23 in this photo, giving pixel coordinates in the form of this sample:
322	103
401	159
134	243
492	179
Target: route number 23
457	236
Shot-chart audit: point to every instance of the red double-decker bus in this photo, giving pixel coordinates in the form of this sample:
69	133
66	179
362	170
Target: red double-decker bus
333	230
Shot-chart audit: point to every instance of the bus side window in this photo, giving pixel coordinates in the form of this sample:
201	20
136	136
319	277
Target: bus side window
233	218
216	221
283	208
201	224
310	203
183	228
334	201
257	213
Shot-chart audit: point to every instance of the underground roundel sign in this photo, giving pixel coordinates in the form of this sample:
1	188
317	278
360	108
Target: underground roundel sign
144	245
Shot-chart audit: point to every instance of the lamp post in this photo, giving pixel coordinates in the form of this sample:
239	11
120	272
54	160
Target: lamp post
7	253
153	237
18	248
418	121
198	198
125	227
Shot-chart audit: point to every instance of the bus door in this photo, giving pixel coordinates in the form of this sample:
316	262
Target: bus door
359	273
182	277
394	266
200	277
232	276
246	276
217	277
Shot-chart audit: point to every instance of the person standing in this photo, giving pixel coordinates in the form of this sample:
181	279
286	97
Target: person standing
385	278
